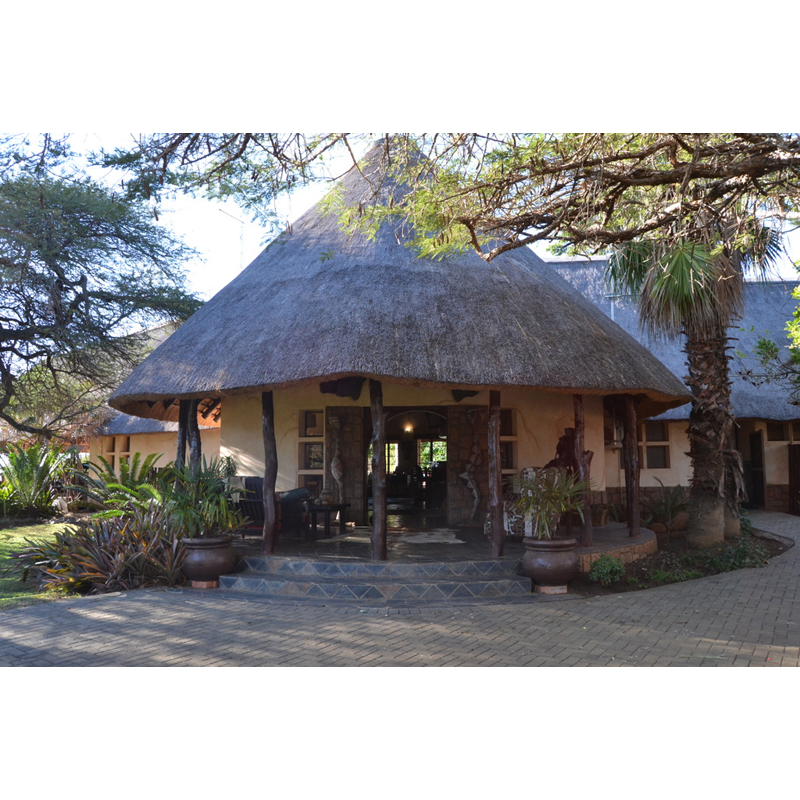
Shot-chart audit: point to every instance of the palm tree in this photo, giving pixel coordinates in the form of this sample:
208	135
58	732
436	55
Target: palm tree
695	288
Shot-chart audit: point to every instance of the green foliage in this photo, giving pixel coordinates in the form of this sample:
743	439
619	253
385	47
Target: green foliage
142	549
745	553
664	506
546	495
79	267
117	491
607	570
199	502
29	476
745	523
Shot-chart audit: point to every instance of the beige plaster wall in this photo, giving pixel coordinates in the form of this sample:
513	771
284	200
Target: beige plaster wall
164	444
776	457
541	420
680	465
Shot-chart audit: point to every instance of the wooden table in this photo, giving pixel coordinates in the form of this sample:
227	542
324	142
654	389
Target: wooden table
327	510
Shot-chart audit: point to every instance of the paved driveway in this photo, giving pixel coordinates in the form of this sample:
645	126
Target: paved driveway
744	618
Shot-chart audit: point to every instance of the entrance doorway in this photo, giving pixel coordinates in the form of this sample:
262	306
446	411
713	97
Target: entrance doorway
416	468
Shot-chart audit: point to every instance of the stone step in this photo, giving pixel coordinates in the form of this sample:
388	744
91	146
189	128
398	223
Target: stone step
388	582
341	568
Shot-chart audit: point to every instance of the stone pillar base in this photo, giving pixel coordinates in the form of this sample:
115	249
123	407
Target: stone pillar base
550	589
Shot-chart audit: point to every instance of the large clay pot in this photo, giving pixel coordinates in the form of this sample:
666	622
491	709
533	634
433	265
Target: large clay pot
550	563
208	558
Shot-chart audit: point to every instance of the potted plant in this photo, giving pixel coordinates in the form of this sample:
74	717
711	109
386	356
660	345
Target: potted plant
199	505
545	496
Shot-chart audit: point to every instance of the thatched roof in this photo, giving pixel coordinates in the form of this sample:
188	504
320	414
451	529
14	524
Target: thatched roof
126	425
768	307
318	304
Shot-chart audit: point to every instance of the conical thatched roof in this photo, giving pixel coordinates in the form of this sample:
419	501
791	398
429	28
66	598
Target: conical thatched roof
318	304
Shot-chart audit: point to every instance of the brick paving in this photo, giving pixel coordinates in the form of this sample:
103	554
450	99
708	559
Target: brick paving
745	618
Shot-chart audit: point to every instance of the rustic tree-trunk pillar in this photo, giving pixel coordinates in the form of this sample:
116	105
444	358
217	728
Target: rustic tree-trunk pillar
183	425
379	550
193	437
630	451
495	477
584	460
270	472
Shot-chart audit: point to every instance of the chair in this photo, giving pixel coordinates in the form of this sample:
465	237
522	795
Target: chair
291	510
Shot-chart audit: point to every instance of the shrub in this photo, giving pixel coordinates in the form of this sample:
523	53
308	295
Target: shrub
30	474
107	555
607	570
746	552
665	505
118	491
200	502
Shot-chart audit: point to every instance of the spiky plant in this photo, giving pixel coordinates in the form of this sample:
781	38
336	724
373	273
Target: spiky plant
30	473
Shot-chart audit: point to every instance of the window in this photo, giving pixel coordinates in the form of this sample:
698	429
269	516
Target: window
508	440
776	432
656	456
391	457
118	450
313	455
430	451
312	424
311	450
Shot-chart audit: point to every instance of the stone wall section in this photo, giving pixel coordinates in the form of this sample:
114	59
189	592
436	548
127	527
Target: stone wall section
352	459
777	498
467	454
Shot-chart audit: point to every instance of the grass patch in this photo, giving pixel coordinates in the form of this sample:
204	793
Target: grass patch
13	592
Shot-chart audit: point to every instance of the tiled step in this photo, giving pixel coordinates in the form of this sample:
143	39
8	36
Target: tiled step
387	582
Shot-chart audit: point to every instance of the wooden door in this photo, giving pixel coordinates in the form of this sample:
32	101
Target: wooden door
755	471
794	479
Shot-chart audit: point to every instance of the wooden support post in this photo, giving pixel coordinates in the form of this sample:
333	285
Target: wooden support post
495	477
270	473
183	425
630	451
584	461
193	437
379	549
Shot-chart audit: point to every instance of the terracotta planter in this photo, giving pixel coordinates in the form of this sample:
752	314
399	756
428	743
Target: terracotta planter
207	559
550	563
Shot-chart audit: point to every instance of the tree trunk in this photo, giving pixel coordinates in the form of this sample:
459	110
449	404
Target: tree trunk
379	548
183	424
495	477
584	461
270	472
193	438
630	455
710	432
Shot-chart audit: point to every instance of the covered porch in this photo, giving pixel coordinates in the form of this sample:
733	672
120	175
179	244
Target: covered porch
423	567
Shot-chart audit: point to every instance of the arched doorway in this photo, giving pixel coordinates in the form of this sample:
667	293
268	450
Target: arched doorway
416	468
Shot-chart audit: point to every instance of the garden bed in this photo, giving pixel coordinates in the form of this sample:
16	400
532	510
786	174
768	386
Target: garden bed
676	562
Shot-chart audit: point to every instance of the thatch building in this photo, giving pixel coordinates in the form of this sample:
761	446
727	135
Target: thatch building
768	422
328	343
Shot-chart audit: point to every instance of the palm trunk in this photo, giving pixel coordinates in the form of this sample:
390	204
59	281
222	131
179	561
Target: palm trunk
710	432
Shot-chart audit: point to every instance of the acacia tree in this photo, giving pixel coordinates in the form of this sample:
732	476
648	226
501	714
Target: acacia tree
79	269
687	211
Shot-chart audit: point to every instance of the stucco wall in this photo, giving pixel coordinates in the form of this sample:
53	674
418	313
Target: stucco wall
678	473
164	444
